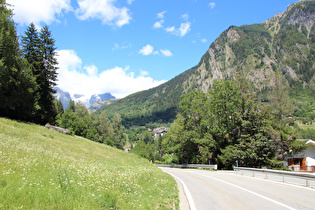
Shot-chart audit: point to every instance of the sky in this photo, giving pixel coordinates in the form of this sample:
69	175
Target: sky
125	46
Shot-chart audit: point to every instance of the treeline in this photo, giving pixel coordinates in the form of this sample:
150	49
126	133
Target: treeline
146	145
27	71
228	124
98	128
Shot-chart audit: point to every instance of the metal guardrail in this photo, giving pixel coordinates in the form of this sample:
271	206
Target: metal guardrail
300	178
215	167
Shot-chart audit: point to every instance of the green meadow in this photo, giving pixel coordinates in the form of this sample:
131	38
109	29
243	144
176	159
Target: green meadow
43	169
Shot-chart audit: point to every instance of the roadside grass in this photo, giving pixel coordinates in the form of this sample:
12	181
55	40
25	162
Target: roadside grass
43	169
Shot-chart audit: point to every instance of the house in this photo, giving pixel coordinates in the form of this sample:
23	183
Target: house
304	161
160	132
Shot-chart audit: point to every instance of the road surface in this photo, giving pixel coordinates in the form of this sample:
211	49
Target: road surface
226	190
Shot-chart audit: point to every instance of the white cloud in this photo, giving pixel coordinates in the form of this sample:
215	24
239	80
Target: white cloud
158	24
184	28
149	50
104	10
118	81
69	59
116	47
185	16
170	29
125	45
181	31
130	2
39	11
143	73
166	53
146	50
161	15
212	5
91	70
204	40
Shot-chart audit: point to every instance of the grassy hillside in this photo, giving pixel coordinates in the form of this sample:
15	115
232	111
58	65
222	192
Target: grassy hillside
43	169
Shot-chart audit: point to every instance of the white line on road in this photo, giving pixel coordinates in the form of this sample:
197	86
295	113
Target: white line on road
249	191
187	192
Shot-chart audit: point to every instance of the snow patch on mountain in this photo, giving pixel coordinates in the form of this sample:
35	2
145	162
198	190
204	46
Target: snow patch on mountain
87	100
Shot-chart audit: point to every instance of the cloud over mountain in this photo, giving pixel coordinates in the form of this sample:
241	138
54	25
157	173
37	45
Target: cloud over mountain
120	82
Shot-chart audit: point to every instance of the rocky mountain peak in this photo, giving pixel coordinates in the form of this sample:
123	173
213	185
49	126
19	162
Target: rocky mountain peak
284	43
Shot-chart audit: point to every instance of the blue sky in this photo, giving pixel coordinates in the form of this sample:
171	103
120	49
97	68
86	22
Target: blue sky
124	46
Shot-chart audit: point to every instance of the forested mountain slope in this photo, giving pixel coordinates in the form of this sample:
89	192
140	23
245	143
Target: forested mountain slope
285	42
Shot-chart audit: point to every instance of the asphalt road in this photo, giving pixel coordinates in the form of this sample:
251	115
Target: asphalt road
226	190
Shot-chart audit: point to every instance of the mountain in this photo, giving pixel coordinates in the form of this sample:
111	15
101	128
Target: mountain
64	97
100	97
88	101
77	96
98	104
285	42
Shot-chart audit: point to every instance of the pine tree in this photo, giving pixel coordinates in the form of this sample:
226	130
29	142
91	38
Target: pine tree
48	75
31	48
16	82
39	50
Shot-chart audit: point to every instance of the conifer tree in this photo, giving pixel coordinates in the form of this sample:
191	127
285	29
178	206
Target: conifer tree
31	48
48	75
39	50
16	81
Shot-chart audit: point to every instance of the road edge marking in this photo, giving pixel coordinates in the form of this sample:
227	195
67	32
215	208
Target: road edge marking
246	190
191	202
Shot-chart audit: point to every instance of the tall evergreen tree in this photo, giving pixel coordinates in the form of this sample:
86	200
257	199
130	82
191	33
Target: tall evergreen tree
16	81
48	75
31	48
39	49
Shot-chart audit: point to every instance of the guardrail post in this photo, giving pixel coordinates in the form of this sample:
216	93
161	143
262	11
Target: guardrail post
307	182
308	177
